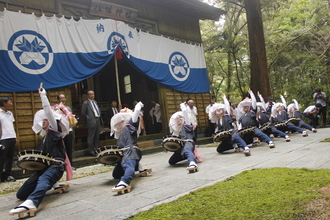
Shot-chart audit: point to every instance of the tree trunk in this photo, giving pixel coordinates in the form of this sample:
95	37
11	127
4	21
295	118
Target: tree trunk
258	59
229	73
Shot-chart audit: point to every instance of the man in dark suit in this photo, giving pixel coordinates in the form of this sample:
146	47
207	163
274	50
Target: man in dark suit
111	111
92	114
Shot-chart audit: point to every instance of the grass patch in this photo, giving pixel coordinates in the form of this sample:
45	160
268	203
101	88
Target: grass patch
274	193
326	140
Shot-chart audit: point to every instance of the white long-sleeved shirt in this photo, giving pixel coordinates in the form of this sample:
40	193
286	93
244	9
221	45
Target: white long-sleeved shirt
7	126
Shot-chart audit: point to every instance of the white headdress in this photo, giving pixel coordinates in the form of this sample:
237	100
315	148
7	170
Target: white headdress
274	108
117	118
176	122
291	109
260	106
242	104
38	120
217	108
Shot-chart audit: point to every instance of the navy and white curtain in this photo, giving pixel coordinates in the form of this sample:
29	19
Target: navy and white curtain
59	52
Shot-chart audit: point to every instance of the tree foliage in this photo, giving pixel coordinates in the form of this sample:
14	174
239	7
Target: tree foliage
297	36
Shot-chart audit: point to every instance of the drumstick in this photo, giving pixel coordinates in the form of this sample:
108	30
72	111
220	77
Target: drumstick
41	84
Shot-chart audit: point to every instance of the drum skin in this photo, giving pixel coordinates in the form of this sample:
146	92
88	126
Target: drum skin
294	121
246	131
109	155
172	143
222	135
33	160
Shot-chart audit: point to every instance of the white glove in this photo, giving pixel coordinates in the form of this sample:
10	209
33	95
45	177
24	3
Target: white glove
42	91
183	106
141	104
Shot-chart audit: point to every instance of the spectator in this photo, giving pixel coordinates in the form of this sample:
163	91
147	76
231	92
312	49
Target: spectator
156	116
189	105
310	113
111	111
321	98
142	125
68	139
211	126
269	105
91	112
7	139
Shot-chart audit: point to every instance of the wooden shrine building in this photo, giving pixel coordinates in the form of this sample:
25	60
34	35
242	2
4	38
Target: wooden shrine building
174	19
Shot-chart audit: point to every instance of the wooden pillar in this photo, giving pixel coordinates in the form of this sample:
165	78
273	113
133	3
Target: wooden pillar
259	71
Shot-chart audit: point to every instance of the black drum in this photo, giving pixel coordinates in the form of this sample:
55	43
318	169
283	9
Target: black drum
34	160
222	135
172	143
281	126
246	131
294	121
247	134
265	127
109	155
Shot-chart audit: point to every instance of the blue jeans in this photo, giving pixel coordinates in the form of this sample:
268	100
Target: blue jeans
125	171
262	136
295	128
307	126
239	141
278	133
177	156
314	119
228	143
38	184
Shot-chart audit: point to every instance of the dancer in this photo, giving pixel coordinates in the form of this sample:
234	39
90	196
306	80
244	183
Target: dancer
180	126
264	121
52	127
125	127
279	115
219	114
294	112
249	119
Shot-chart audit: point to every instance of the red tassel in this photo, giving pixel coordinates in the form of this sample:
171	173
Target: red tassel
118	54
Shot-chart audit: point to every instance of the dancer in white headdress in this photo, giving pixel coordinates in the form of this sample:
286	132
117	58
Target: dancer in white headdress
248	118
264	120
294	112
52	127
279	115
220	115
181	126
126	128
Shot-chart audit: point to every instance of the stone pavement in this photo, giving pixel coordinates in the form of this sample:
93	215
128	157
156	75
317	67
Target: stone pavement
91	197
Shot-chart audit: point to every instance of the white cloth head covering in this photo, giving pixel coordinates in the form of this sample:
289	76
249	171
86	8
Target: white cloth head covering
242	104
176	122
117	118
291	107
260	107
274	108
217	107
125	116
40	115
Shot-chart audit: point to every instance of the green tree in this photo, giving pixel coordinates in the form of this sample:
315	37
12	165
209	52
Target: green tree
225	52
297	36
